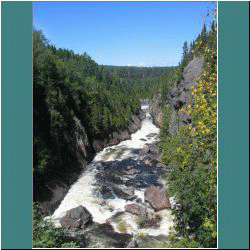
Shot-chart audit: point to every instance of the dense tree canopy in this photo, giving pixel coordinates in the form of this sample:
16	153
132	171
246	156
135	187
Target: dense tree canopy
72	90
69	87
192	152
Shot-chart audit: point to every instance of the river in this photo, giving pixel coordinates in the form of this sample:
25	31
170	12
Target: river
98	189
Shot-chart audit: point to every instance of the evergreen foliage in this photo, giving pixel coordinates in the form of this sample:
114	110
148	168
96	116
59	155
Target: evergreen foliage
69	87
71	90
192	151
45	235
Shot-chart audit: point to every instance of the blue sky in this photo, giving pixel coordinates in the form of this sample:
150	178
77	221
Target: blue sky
122	33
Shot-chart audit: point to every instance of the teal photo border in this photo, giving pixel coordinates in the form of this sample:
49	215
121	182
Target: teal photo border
16	117
233	129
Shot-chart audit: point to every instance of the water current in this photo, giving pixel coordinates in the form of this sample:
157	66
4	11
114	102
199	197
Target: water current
99	189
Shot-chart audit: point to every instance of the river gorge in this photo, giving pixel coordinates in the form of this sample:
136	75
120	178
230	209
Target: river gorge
117	178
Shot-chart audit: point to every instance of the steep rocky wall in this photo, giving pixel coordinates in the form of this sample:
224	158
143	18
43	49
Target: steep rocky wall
177	97
155	111
71	157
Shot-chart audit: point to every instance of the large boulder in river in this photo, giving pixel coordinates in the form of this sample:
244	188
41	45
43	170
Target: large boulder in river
153	149
76	218
136	209
144	150
132	244
153	221
157	198
124	135
125	193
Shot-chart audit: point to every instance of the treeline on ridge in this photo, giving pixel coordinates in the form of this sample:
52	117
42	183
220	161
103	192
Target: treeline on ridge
72	90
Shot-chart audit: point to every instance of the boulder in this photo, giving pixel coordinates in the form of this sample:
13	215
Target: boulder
132	127
76	218
136	209
142	115
144	150
151	135
124	135
106	192
125	193
132	172
132	244
154	219
161	166
157	198
153	149
98	145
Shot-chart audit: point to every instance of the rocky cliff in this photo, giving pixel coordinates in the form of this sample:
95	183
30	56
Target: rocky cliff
177	97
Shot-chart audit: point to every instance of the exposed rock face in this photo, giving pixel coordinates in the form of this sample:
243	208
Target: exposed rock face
69	159
155	111
76	218
124	135
136	209
134	124
153	221
56	190
177	97
181	95
157	198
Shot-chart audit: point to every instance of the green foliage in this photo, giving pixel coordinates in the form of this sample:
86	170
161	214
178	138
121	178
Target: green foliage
192	154
45	235
173	241
184	243
67	86
164	132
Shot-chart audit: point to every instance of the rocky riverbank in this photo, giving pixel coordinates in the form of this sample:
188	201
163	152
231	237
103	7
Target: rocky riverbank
51	187
121	195
128	172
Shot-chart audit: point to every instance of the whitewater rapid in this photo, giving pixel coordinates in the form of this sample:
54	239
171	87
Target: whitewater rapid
86	190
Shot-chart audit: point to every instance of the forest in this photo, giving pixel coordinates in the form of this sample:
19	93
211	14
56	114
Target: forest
72	91
70	87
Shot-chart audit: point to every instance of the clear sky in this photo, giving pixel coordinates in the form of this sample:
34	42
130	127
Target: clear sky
122	33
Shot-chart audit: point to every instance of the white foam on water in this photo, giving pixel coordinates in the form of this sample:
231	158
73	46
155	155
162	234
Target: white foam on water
83	192
138	140
129	223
